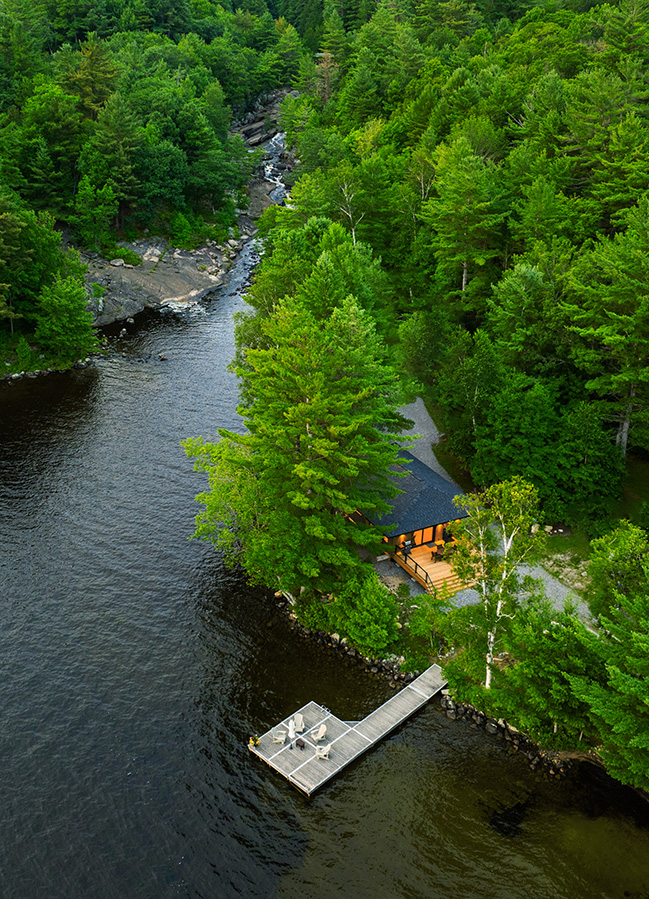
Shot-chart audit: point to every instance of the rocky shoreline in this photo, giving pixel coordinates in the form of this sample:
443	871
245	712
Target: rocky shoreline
170	276
390	669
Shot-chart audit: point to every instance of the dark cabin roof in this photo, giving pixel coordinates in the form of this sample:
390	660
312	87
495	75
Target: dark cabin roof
426	500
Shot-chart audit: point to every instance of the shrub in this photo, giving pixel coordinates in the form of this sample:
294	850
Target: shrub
366	612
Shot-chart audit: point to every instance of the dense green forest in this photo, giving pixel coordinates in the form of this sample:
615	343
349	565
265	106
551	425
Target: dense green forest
497	169
114	119
467	220
470	202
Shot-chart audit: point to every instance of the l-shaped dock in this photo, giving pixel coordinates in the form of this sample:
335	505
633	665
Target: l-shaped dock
297	761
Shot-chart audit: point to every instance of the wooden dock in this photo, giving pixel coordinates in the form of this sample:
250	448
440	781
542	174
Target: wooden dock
347	740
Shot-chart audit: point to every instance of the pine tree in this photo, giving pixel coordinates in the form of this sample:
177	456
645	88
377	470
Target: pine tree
465	218
609	310
618	698
621	178
319	409
548	647
617	567
94	78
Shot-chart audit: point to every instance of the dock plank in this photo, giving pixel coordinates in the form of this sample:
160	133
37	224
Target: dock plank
391	714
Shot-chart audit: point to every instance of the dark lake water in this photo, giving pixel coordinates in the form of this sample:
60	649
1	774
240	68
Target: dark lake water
134	666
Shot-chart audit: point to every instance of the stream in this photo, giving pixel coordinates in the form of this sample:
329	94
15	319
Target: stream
134	666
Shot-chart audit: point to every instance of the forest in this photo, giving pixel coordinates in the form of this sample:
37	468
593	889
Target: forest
114	122
468	213
467	222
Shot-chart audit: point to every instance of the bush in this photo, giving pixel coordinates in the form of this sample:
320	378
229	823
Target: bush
112	251
312	612
366	613
189	231
64	326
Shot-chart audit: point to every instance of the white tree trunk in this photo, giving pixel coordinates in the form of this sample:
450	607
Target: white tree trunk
622	436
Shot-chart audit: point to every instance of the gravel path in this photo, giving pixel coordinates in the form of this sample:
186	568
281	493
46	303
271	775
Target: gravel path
428	435
555	591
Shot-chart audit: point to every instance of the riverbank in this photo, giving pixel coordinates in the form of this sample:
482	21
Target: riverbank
171	276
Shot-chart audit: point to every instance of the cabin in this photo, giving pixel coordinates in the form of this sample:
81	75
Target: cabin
419	530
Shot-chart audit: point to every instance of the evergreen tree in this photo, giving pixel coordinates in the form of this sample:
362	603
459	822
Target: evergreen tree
64	327
52	138
465	219
619	700
95	210
621	178
609	310
617	567
548	648
94	77
319	409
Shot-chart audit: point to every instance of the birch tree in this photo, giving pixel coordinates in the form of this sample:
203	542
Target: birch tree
493	542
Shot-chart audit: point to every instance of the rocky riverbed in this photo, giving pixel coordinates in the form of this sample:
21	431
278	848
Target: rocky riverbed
169	275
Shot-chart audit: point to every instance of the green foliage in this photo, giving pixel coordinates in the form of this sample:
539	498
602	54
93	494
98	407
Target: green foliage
548	648
31	255
24	354
493	542
131	109
617	567
429	619
465	219
312	611
64	328
365	612
609	311
320	264
112	251
189	231
95	211
318	403
617	690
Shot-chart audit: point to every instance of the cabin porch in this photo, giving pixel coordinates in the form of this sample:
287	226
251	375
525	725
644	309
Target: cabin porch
427	568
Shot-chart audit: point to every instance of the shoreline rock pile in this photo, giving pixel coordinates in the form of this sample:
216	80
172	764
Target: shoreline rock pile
518	741
390	669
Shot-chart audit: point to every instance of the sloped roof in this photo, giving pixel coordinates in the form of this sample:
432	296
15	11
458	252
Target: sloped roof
425	501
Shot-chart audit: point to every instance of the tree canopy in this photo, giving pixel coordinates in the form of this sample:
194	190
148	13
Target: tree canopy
319	408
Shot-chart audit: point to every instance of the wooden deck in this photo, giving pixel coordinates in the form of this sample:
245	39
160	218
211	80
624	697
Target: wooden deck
347	740
439	574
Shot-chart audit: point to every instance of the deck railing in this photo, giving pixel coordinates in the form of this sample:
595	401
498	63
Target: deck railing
416	567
